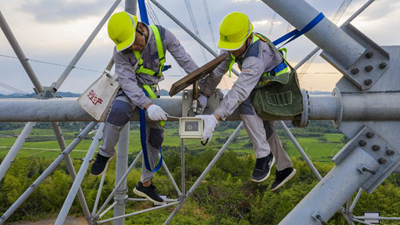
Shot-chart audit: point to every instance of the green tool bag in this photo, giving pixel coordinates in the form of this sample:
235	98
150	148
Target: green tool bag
279	98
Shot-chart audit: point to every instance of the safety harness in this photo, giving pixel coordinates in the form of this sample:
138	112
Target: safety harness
279	73
161	56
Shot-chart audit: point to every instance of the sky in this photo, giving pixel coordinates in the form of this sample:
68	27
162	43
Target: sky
52	32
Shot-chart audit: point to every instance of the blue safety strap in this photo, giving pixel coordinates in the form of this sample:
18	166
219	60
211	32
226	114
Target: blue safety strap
145	19
143	141
296	33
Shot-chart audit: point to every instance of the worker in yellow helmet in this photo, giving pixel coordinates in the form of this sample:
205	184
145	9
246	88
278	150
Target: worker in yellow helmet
139	57
256	59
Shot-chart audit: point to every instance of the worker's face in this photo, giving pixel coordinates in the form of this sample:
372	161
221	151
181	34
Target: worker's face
140	42
242	49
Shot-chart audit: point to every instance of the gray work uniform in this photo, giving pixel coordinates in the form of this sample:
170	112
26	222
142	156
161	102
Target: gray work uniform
258	58
131	94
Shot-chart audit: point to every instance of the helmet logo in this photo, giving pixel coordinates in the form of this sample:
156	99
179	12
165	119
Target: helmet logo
226	39
118	41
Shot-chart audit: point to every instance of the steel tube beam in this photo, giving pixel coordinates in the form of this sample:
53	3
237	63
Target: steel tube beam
356	107
351	18
46	173
20	54
117	185
79	178
360	191
138	212
297	145
71	169
96	203
66	109
171	178
56	85
322	107
328	196
325	34
8	160
121	167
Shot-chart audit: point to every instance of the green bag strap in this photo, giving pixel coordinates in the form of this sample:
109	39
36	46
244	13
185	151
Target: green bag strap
160	51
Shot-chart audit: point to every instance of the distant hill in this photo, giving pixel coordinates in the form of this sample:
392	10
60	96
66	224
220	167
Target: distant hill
18	95
163	92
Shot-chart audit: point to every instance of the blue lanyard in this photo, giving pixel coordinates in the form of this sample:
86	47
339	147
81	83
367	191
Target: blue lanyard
296	33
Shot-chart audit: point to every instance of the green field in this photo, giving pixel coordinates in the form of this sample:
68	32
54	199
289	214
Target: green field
320	149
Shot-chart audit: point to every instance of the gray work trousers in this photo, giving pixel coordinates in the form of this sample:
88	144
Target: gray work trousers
263	136
120	113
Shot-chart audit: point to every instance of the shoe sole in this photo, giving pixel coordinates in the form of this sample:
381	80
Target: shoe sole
141	194
109	160
269	172
291	175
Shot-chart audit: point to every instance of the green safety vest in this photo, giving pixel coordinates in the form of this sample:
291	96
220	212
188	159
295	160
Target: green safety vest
161	55
281	76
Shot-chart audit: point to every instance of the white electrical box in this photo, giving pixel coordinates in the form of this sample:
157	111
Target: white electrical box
191	127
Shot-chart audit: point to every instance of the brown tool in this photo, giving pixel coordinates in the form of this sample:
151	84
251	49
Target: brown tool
196	75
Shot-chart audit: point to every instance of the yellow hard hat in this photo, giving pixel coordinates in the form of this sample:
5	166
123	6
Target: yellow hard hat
235	28
122	29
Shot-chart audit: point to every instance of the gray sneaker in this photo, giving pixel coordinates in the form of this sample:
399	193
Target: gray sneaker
282	177
148	192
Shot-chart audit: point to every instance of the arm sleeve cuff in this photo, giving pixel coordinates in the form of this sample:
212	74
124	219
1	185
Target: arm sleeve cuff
222	113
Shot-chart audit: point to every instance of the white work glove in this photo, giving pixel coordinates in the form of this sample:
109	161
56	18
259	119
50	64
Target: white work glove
202	102
209	125
155	112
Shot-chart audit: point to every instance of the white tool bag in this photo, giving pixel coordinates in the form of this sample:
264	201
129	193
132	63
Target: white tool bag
98	97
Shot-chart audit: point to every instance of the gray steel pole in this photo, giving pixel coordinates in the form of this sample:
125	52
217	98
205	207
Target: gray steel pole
328	196
183	167
171	178
303	154
117	185
71	169
9	159
79	178
194	36
131	6
46	173
325	34
203	175
96	202
20	54
121	167
56	85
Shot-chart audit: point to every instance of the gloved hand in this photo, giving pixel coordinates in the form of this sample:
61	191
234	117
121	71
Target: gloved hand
155	112
209	125
202	102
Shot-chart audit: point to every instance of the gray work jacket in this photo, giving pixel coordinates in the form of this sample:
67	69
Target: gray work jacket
125	61
258	58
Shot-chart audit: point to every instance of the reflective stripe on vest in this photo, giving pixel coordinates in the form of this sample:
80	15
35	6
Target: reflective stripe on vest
161	55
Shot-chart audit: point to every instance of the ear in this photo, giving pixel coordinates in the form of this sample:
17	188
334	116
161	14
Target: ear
250	39
141	27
